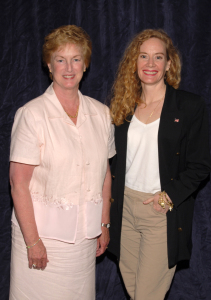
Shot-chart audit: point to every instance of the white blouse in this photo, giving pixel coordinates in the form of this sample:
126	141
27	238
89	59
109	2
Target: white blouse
142	166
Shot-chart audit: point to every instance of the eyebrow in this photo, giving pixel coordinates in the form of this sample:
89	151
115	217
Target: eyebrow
64	57
155	53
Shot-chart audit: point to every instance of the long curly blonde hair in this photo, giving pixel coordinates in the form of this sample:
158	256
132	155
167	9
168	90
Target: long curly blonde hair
126	91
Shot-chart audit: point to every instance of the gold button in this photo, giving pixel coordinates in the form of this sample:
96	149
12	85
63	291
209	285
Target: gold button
172	178
113	176
180	229
177	153
111	200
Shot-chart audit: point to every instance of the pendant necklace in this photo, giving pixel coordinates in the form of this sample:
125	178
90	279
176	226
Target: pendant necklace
153	110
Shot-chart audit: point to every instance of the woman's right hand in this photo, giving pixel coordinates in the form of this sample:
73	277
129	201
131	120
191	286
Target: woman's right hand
37	255
156	205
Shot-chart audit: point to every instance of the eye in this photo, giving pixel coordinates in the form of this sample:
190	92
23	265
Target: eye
159	57
60	60
143	56
77	59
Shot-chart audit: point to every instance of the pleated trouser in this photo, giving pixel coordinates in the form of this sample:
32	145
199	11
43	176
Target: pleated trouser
144	258
69	275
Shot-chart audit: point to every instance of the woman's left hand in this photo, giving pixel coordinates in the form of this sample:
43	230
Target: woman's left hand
157	206
102	241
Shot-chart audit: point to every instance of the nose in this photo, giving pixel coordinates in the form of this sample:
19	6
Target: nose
69	66
151	62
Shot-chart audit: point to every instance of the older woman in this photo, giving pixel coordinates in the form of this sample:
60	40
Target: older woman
161	136
60	179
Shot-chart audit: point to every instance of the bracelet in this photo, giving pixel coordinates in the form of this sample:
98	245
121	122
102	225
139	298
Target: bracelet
28	247
106	225
163	200
170	204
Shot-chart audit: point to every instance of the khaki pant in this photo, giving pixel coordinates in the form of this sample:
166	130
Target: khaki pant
143	258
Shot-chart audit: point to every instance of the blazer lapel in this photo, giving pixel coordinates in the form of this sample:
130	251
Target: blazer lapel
171	120
169	132
121	149
121	138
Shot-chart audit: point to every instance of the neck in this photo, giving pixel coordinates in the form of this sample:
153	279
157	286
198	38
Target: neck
152	93
68	98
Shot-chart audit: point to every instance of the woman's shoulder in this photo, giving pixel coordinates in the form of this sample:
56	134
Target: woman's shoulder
188	95
96	105
36	103
33	109
188	100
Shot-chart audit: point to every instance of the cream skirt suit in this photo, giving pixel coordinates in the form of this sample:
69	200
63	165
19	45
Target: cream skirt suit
66	191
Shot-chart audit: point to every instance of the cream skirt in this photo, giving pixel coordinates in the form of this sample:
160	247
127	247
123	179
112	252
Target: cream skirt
69	275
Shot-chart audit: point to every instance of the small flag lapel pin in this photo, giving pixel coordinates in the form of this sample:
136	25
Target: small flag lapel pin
176	120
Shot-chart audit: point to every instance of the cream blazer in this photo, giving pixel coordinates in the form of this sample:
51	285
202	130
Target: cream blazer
64	153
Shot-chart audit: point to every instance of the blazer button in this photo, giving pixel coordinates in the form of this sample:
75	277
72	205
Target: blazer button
113	176
172	178
177	153
111	200
179	229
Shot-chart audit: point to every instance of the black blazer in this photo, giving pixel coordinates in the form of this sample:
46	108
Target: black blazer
184	161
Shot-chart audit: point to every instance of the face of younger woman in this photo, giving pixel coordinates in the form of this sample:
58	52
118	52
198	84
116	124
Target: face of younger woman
152	62
67	67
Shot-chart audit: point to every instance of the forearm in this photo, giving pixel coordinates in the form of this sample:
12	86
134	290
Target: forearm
197	156
25	213
20	177
106	196
187	182
103	239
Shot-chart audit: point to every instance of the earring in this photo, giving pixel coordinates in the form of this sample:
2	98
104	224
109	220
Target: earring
85	70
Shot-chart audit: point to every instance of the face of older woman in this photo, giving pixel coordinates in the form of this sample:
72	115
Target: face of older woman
67	67
152	62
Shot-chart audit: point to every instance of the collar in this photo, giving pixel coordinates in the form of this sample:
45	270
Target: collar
54	108
170	101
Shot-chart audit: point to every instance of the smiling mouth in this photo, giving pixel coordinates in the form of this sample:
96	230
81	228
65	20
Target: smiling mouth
150	72
68	76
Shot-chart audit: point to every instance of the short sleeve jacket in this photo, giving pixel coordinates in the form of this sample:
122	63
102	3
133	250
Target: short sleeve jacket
43	135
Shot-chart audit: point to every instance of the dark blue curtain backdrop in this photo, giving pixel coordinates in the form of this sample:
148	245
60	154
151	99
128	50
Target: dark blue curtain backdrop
111	25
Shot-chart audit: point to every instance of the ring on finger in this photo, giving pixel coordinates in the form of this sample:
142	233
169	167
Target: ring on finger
34	266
